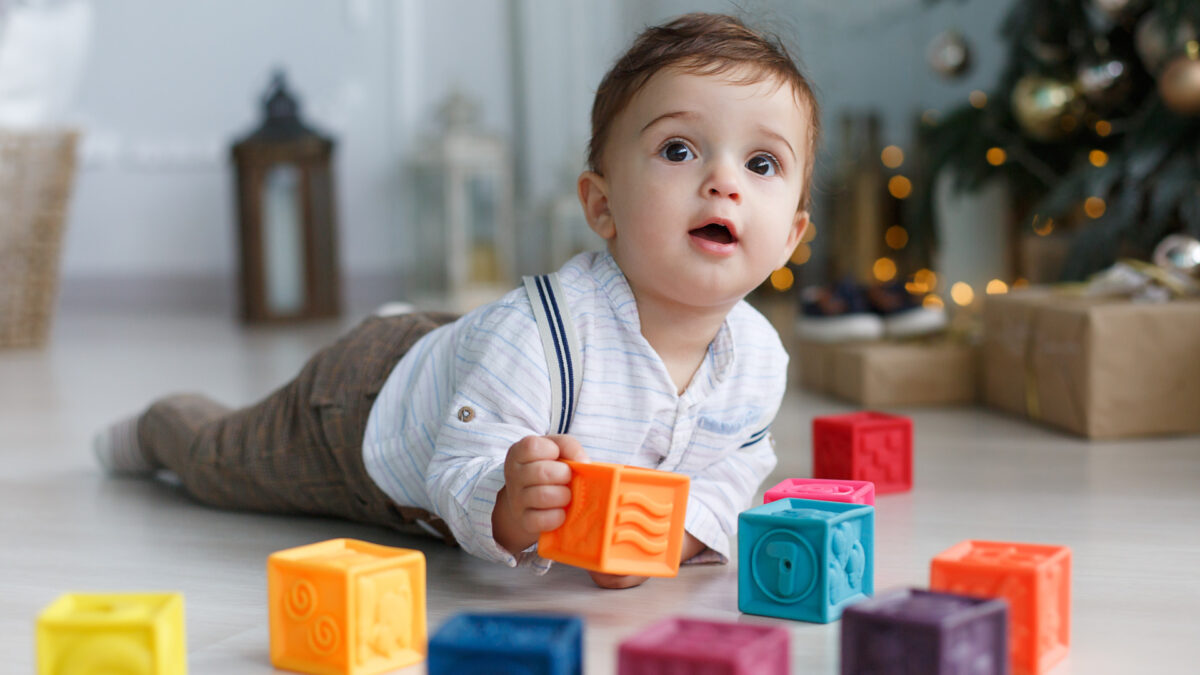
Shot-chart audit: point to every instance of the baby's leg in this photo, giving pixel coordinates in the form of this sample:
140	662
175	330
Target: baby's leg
299	450
265	457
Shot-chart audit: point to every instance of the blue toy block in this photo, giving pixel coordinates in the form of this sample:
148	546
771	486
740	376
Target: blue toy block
805	559
508	644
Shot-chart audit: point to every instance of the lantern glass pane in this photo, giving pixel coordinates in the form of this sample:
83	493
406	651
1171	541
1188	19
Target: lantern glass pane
481	226
283	241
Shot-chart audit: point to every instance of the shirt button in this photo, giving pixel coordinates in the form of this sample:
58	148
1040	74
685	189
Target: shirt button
465	414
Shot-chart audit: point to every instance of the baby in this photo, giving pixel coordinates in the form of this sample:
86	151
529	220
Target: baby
703	140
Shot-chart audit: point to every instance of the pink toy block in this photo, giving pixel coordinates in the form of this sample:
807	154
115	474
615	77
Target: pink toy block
866	445
680	645
825	489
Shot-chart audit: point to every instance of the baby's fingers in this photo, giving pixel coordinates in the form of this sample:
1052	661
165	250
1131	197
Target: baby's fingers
569	447
542	520
543	472
546	496
533	449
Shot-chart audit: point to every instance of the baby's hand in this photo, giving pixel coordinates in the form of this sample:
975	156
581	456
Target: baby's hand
616	581
535	493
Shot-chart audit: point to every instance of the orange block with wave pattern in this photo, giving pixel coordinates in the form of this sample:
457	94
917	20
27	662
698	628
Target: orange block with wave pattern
621	520
346	607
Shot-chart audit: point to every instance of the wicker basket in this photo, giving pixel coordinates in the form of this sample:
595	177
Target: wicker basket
36	171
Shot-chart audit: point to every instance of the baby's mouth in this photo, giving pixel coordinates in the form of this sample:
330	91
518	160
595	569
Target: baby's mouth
715	233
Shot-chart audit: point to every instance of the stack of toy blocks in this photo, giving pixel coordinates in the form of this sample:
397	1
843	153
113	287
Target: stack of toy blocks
715	648
805	559
1035	579
508	643
915	632
824	489
621	520
112	633
346	607
866	446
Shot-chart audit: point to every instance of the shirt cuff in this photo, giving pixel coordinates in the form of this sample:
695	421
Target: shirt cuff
703	524
479	541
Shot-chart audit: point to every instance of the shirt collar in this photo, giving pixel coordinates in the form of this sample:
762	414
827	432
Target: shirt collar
718	361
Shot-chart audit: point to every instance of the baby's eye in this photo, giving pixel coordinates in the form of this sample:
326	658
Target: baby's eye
763	165
676	151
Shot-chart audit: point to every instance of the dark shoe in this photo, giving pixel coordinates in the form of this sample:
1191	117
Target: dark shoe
837	314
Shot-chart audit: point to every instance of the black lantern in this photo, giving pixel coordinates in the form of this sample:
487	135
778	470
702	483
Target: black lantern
286	220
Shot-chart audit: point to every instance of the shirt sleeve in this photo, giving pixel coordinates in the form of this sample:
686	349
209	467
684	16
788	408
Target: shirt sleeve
723	490
501	395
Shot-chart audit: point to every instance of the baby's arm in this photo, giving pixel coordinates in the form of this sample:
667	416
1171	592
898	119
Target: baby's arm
535	493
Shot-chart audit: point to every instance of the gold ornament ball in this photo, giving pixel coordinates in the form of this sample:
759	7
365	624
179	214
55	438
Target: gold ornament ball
1047	109
1179	85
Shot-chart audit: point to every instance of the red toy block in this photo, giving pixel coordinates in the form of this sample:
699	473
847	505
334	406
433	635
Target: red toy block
866	445
1035	579
825	489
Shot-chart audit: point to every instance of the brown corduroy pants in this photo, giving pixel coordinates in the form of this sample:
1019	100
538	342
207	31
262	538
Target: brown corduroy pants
299	450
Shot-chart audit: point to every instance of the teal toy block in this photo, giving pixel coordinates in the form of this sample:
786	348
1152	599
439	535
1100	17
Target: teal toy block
805	559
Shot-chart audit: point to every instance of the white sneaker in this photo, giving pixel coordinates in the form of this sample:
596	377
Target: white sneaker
914	322
842	328
117	450
394	309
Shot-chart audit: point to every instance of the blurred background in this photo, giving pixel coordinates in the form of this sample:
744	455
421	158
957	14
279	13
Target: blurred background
429	150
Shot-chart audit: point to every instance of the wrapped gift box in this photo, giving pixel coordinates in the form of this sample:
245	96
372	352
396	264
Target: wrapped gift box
939	372
1099	367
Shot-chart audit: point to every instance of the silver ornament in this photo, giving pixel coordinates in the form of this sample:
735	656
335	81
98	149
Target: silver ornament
1104	82
1156	42
949	54
1119	10
1179	252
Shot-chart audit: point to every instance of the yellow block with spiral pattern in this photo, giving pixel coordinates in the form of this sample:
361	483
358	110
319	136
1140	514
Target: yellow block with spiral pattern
346	607
128	633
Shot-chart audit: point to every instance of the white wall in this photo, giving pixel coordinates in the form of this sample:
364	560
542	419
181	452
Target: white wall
172	83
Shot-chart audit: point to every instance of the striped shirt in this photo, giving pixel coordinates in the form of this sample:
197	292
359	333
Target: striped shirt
422	452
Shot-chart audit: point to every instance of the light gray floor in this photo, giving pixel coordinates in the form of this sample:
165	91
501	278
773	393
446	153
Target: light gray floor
1130	511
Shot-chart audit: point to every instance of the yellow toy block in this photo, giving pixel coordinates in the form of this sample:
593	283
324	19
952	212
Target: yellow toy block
346	607
128	633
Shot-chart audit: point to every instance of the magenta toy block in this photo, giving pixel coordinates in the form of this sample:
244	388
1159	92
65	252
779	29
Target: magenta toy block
681	645
867	446
915	632
825	489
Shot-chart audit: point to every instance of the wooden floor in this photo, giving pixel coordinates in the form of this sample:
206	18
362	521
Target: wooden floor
1130	511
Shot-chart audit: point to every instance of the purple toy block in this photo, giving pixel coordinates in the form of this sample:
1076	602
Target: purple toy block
916	632
679	645
825	489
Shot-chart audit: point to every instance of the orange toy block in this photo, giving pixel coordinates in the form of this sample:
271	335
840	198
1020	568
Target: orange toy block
1035	579
621	520
346	607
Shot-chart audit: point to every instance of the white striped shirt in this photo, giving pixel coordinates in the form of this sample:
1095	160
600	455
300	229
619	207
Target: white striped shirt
420	453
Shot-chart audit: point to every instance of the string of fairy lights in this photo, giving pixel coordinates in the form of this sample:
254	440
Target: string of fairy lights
925	282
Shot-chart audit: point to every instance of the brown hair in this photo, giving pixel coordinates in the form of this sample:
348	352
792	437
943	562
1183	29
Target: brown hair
701	44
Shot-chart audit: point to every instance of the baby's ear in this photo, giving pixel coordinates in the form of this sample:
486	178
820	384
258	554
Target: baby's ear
593	196
799	224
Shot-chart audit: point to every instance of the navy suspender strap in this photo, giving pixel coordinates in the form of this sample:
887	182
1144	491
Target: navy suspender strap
563	354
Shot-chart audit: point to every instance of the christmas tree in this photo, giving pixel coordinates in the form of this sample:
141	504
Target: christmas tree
1095	125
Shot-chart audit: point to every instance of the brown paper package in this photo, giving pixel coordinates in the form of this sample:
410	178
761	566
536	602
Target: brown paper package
1099	367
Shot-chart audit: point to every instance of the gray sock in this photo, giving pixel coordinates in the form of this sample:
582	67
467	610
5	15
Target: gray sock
116	448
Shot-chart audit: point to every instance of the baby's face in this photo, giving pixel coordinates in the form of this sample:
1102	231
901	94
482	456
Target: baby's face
703	182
